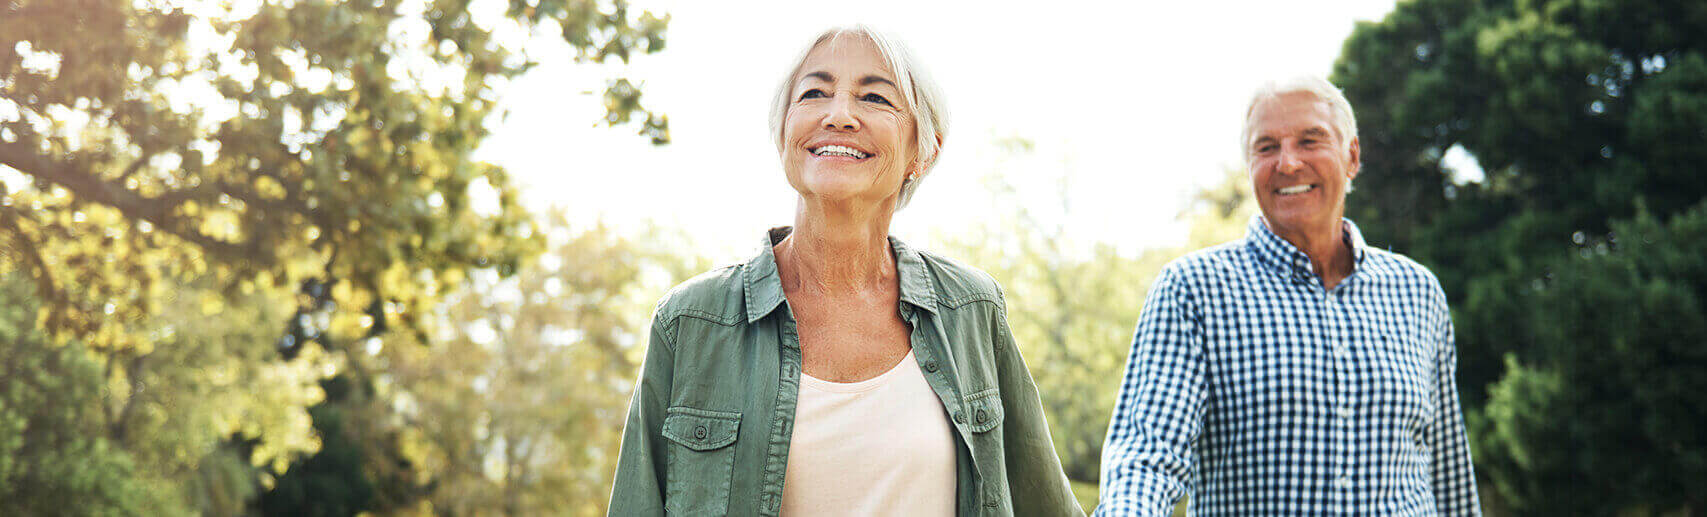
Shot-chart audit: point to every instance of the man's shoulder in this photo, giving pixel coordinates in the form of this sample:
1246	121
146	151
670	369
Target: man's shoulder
1213	261
1384	263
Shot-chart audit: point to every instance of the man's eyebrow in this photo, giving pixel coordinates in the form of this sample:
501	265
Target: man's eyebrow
874	79
1317	132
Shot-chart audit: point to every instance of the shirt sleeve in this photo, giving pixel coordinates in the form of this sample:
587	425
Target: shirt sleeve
1036	482
1451	474
1147	458
639	485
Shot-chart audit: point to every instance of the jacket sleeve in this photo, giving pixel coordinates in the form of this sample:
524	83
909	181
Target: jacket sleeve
1036	481
1453	478
1146	460
639	486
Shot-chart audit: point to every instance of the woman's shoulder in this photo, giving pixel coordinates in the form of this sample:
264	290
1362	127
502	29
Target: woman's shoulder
958	283
714	295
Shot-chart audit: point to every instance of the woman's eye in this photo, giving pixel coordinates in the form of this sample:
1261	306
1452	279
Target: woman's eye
872	97
812	94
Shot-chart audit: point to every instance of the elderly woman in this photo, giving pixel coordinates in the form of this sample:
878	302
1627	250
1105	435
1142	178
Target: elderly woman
840	372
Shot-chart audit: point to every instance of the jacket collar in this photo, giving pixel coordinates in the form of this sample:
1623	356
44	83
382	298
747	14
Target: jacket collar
1286	259
762	285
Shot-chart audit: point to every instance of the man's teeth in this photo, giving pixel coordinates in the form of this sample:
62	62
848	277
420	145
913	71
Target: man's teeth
839	150
1296	189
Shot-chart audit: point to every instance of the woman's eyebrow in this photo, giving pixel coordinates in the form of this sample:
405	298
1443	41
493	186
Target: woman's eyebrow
874	79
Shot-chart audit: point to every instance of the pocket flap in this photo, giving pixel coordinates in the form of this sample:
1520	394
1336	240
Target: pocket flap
699	429
984	410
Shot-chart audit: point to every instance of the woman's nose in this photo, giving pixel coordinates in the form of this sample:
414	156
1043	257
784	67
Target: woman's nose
840	117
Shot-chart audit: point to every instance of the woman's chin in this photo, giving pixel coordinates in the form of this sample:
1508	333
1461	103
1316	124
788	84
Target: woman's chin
836	187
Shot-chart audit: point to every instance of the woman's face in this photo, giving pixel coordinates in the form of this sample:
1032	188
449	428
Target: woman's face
848	135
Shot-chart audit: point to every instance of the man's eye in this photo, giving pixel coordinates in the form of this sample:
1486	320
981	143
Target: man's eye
812	94
872	97
1265	148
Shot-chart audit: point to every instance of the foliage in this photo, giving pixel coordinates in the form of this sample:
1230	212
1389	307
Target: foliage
172	172
332	481
1072	303
1580	114
262	143
517	406
52	447
1643	379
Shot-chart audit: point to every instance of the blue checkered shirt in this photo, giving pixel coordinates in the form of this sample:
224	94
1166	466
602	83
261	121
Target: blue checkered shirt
1259	392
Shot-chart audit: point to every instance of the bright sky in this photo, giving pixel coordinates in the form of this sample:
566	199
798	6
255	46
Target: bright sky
1139	104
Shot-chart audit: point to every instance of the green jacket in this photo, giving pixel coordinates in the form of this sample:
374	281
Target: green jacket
713	411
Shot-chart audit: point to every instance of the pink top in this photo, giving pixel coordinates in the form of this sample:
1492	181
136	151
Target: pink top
881	446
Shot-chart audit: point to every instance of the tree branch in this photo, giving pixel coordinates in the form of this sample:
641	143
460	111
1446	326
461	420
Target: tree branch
38	268
134	166
156	211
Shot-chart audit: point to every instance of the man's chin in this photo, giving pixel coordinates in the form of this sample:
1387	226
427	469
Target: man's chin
1298	220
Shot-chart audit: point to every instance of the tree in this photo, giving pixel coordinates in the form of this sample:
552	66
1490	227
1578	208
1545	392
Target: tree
1596	410
172	174
333	480
1072	304
266	144
1584	116
52	448
516	407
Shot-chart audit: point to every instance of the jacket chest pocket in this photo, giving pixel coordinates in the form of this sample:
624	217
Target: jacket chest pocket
701	461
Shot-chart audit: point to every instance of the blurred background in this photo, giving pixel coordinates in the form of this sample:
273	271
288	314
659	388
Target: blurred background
397	257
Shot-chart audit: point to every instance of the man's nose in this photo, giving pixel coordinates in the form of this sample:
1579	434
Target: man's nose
1289	162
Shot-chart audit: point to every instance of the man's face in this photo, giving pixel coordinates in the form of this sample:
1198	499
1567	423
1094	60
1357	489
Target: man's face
1300	168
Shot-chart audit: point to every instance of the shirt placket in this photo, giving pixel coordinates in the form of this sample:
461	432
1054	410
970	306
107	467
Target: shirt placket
782	421
939	373
1342	424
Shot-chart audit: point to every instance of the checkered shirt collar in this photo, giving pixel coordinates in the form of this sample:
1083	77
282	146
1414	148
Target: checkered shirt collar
1287	260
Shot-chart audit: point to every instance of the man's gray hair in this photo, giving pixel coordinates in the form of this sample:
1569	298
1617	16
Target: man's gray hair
1344	121
923	97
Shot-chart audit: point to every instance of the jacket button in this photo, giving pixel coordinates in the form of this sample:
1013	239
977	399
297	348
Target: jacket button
983	417
930	366
699	433
959	418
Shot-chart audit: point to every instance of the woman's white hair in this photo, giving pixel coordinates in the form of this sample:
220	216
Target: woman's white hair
1344	121
923	97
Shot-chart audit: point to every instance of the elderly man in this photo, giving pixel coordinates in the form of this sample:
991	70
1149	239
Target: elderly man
1296	371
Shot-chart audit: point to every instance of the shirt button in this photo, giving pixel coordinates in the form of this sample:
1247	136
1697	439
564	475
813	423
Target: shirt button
959	417
1341	350
699	433
1343	482
930	366
982	416
1345	411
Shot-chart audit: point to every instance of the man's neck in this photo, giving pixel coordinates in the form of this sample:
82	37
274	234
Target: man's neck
1330	255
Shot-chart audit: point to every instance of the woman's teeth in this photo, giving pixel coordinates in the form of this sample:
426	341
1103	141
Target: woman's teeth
839	150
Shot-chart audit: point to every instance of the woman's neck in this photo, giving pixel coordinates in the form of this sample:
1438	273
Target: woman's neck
837	250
